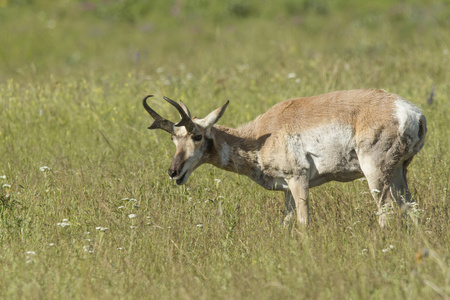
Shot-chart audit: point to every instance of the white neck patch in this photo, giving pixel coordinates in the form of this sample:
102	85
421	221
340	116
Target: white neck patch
224	154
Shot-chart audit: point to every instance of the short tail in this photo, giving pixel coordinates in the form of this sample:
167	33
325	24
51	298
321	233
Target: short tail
421	134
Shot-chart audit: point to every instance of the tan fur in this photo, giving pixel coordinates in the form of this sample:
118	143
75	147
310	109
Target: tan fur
365	110
359	108
301	143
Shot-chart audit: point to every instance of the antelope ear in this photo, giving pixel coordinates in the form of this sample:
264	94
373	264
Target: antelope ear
213	117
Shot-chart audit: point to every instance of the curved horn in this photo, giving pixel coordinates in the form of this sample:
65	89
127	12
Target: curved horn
160	122
185	109
185	119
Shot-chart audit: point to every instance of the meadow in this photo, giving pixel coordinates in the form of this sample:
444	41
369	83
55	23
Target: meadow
87	210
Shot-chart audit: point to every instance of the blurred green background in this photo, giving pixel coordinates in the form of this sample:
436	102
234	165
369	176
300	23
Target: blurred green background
83	38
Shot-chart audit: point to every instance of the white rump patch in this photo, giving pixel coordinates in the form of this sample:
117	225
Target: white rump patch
408	117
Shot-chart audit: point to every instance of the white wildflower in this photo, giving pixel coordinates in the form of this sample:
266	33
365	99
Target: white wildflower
3	177
388	249
88	249
6	185
200	225
63	224
413	208
129	199
44	169
29	255
217	180
120	207
131	216
291	75
101	228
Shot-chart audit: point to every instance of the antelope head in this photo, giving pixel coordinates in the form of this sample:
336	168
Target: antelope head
191	136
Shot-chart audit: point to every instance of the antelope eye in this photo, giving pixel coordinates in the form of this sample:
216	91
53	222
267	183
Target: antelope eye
197	138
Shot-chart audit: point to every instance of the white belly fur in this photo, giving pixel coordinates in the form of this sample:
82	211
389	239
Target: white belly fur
328	152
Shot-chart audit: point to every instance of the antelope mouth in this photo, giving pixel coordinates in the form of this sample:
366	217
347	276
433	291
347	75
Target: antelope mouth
180	180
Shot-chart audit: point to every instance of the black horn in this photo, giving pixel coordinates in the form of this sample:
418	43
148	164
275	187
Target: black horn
160	122
185	119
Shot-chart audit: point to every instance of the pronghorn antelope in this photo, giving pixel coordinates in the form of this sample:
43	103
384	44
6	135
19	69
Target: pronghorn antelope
302	143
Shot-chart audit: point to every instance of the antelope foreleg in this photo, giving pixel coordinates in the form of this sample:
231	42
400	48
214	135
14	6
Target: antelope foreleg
299	190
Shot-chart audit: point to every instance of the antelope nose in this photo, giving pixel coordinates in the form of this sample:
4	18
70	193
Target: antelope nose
173	173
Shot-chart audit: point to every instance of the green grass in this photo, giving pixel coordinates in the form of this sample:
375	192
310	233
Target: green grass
72	76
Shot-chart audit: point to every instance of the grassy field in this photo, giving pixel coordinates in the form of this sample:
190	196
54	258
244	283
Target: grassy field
87	210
